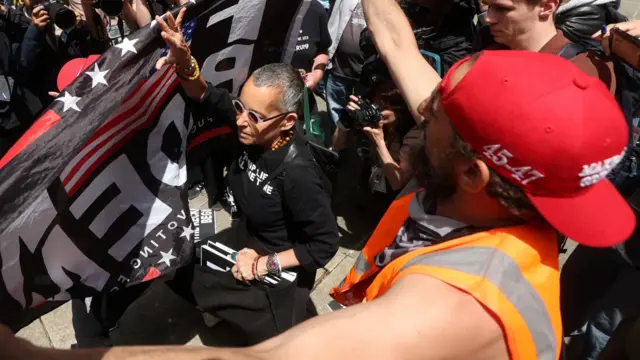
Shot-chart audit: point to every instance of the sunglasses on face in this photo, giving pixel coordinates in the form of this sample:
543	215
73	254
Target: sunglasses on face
253	116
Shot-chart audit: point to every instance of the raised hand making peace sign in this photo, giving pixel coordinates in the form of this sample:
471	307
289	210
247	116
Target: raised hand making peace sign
179	53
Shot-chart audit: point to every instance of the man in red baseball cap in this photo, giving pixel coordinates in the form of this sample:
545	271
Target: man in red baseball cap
518	146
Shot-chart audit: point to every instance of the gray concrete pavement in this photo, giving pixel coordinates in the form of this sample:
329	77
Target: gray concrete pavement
161	317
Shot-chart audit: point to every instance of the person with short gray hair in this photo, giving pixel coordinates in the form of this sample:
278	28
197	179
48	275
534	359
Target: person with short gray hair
286	229
287	79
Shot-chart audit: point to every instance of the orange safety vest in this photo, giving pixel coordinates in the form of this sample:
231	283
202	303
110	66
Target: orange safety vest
512	271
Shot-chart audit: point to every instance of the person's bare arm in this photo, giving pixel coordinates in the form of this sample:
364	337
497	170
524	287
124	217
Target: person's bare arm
179	54
397	46
97	31
418	318
14	348
143	15
398	173
317	71
129	15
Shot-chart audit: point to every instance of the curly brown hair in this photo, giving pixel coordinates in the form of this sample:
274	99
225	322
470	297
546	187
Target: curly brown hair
510	196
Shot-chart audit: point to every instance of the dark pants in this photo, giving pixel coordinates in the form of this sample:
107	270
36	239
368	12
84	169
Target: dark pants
209	169
256	312
597	294
93	319
599	289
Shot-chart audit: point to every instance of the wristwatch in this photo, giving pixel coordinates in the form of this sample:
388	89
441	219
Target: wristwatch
273	265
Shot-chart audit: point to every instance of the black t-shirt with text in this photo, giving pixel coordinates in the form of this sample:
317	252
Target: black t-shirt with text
287	212
348	59
314	37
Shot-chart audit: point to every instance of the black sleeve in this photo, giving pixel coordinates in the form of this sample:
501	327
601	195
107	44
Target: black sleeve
324	42
215	104
580	23
14	24
310	210
30	53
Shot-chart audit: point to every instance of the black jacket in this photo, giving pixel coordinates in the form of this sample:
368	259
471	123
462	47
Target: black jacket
14	23
580	23
24	106
290	211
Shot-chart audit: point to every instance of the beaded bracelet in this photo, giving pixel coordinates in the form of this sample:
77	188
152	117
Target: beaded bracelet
182	72
256	274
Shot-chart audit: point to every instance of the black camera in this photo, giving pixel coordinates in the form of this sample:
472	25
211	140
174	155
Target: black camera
63	17
111	8
368	115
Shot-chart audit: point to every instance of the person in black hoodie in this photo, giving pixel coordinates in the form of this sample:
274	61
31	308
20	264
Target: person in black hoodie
13	23
18	106
286	220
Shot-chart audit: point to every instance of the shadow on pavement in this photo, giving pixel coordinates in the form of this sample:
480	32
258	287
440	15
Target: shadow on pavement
158	317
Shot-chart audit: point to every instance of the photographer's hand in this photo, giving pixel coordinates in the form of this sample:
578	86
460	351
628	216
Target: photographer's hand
630	27
40	18
352	105
375	134
78	15
314	78
388	117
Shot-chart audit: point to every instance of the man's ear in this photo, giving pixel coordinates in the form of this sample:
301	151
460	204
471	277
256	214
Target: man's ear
548	7
288	122
473	175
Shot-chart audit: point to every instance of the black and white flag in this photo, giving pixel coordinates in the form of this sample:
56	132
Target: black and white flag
92	197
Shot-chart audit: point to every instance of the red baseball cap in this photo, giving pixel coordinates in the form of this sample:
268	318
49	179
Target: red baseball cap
72	69
552	130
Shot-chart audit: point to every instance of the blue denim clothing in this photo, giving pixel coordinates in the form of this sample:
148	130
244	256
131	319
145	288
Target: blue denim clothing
338	88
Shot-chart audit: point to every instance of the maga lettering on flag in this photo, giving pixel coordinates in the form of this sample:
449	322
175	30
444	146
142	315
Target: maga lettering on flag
93	196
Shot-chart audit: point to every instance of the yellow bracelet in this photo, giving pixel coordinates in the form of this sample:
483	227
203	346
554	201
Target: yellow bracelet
194	76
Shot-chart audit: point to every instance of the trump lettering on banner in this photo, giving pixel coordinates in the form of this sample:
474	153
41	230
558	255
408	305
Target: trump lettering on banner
96	200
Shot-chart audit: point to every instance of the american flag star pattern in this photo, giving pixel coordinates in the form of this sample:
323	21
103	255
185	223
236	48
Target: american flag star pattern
94	194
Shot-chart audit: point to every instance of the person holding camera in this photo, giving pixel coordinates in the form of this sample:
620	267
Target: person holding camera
395	138
39	59
56	35
392	139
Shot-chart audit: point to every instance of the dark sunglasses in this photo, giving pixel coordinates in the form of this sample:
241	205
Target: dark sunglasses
253	116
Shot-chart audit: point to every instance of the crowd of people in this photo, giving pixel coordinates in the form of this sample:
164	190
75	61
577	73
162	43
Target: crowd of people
485	134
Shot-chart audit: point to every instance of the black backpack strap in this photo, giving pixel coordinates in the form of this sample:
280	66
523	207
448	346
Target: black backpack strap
280	170
293	158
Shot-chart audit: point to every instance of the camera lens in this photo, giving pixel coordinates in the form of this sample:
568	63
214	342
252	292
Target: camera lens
112	8
63	18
